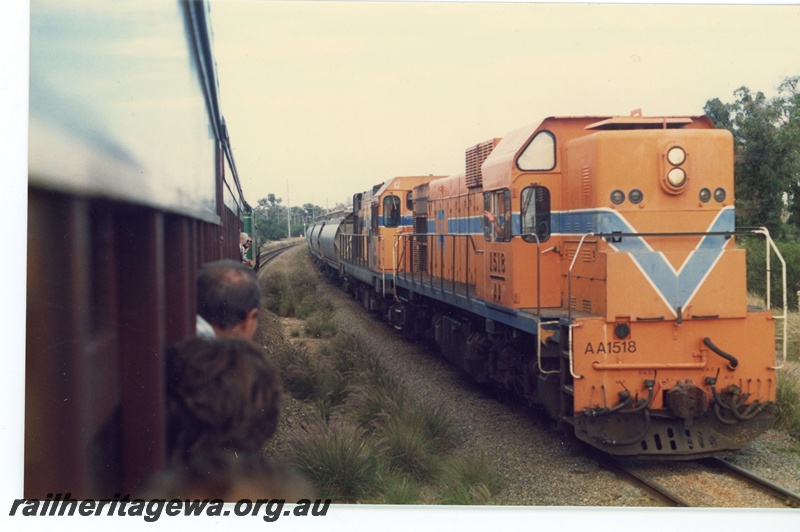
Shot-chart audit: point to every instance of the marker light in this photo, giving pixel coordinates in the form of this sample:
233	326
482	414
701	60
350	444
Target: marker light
705	195
617	197
676	156
720	195
676	177
635	196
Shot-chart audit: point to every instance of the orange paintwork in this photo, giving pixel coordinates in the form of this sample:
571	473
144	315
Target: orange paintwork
669	353
382	253
692	287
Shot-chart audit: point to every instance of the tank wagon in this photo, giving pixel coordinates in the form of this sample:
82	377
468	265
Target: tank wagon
589	265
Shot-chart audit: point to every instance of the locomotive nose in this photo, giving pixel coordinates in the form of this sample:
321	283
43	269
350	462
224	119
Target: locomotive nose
687	401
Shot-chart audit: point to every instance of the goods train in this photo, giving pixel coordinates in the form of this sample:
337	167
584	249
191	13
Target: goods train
587	264
132	184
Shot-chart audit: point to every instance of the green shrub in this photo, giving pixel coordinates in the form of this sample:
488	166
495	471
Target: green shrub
347	355
793	337
438	429
313	303
398	489
318	326
274	291
302	376
294	294
404	445
756	269
338	460
787	413
469	480
374	401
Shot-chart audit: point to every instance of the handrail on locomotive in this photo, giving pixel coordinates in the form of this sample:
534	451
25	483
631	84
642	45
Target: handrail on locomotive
407	237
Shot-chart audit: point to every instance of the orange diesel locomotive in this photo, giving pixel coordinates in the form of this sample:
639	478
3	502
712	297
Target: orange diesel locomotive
588	264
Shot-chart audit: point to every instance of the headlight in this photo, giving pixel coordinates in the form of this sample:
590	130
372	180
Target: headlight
676	177
676	156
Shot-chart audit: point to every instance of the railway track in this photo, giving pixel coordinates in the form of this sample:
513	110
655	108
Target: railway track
709	482
265	257
789	497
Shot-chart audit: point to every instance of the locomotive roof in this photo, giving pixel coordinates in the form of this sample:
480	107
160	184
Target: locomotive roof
511	144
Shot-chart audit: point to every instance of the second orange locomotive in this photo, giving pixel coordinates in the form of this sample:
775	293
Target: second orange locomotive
589	265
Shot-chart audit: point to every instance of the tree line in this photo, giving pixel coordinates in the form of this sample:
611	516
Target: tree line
273	220
766	137
766	133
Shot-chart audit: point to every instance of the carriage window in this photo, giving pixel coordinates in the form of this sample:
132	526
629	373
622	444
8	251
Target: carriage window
535	213
497	216
539	154
391	211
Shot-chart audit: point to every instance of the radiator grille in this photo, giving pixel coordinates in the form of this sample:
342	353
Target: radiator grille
475	157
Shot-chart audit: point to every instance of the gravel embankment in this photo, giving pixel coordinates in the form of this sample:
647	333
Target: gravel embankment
539	466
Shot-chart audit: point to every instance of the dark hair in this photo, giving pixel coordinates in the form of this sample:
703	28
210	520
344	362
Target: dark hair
222	394
226	292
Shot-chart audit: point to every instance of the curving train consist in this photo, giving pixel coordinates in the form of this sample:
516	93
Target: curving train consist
587	264
132	185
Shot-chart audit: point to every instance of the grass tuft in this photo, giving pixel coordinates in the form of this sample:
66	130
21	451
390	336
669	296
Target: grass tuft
469	481
320	326
399	489
336	458
787	414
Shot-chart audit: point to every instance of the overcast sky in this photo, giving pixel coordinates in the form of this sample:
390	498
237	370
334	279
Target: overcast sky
332	98
327	99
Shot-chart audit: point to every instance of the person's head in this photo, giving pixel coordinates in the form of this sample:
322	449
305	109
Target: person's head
248	242
228	298
242	238
222	395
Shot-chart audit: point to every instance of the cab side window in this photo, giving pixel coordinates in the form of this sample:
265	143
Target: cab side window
535	213
497	216
391	211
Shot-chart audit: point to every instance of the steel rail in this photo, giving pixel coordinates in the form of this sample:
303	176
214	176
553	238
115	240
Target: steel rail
266	256
651	486
779	491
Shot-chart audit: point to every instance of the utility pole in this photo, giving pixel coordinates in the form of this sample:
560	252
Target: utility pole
288	212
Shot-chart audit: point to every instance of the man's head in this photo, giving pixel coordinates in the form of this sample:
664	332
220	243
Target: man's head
222	395
242	238
228	298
